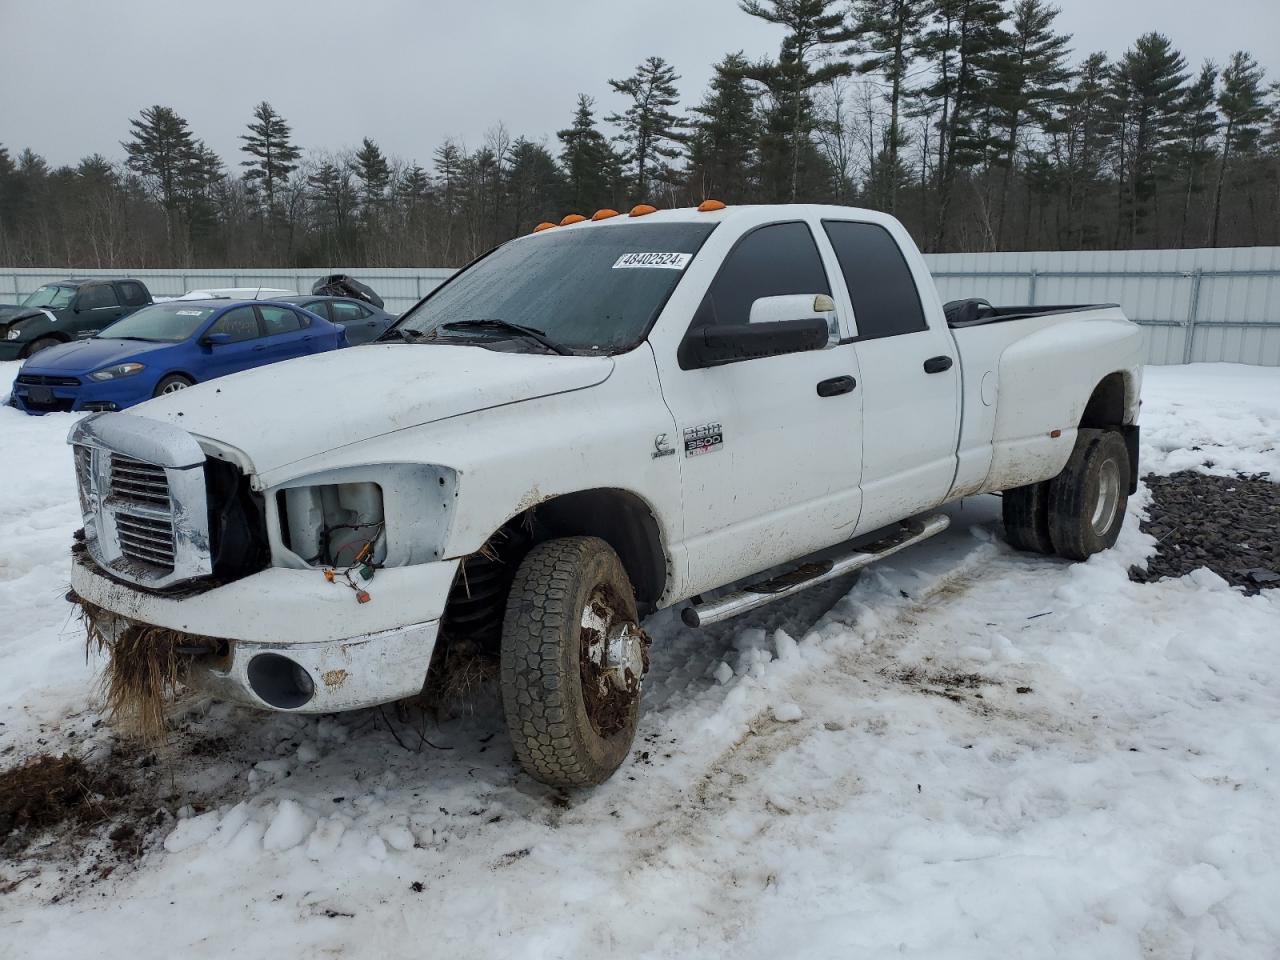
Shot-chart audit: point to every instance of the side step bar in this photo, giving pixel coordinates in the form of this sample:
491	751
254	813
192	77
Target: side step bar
703	612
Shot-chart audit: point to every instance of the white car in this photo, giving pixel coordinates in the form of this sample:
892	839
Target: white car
237	293
588	424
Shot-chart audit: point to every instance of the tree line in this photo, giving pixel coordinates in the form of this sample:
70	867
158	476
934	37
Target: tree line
972	121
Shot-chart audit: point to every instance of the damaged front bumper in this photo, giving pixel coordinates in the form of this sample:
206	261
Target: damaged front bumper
289	640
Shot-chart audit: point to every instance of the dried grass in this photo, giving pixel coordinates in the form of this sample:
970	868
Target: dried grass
458	676
144	674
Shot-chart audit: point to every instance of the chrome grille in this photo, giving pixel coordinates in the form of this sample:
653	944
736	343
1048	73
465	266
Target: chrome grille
136	482
148	539
143	511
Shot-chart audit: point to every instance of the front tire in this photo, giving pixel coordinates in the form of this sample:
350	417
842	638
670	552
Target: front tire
1087	499
572	659
171	384
42	343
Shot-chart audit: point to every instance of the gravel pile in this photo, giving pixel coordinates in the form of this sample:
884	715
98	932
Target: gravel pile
1229	524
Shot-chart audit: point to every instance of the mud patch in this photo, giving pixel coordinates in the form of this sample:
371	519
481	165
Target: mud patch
1231	525
950	684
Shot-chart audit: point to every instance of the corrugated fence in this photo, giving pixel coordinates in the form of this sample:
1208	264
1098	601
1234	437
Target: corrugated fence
1194	305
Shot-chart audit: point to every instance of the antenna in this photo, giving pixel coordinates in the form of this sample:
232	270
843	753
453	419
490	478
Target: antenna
258	294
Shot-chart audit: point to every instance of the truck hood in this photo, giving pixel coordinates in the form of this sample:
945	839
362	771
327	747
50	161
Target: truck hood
285	412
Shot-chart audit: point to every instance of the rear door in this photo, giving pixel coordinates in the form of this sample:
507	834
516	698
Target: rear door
288	333
769	459
910	378
133	296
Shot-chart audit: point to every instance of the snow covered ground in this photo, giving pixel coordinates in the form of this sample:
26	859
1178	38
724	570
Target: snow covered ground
972	753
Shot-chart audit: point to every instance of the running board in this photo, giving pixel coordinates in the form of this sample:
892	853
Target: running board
758	594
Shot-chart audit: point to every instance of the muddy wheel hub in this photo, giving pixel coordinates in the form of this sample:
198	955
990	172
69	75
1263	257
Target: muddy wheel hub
623	663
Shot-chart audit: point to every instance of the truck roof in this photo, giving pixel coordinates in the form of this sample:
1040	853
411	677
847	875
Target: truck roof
753	211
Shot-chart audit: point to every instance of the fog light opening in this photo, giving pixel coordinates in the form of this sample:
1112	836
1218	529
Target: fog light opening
280	682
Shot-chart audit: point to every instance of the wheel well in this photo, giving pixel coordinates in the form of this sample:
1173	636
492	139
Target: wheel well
1106	406
1106	410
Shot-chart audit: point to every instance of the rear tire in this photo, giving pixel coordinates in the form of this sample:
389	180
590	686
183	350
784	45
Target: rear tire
172	384
1087	499
1026	517
42	343
570	725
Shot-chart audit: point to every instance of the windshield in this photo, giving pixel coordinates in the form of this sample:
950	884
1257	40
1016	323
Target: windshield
593	289
162	323
50	295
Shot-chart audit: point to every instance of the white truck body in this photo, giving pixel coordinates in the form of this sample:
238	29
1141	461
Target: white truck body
709	474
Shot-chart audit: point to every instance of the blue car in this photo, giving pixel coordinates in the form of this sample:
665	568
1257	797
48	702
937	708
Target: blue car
167	347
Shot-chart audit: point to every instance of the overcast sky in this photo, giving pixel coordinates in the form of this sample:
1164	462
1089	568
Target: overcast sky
410	73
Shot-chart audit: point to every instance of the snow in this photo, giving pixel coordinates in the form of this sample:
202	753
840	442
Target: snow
979	753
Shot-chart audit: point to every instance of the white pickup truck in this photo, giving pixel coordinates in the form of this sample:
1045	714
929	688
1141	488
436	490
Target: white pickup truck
588	424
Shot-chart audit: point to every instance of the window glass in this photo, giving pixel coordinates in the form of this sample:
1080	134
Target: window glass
346	312
278	320
238	322
886	302
52	296
772	261
134	293
169	322
320	308
97	295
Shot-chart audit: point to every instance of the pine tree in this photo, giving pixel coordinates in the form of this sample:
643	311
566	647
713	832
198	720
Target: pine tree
374	173
1031	77
272	156
726	130
333	197
1146	112
1084	129
813	26
533	185
963	46
888	33
160	146
649	128
1243	112
1193	148
590	165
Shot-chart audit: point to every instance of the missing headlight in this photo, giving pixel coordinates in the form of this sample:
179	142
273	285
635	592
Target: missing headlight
330	524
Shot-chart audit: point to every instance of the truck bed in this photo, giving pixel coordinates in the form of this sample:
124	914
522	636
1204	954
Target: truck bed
975	312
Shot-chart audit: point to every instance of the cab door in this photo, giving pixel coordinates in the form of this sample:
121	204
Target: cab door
770	448
910	377
96	307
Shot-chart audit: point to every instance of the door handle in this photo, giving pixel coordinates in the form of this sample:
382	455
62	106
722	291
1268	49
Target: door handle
937	364
261	346
836	386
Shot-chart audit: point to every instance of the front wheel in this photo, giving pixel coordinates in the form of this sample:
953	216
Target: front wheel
171	384
573	657
1087	499
43	343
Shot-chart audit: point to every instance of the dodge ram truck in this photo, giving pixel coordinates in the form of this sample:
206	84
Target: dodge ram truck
710	407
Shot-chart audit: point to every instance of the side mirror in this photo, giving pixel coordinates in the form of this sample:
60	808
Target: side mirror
712	346
215	339
798	306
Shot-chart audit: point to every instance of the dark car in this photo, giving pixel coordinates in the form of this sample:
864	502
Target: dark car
65	311
168	347
362	321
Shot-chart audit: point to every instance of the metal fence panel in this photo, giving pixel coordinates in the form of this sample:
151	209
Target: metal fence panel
1193	305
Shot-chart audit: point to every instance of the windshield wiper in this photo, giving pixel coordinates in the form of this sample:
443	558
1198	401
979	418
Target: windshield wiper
122	337
400	333
494	323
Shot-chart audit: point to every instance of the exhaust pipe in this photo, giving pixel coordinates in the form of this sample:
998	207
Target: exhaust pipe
758	595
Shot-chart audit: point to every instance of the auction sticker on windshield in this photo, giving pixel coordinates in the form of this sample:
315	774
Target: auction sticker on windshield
658	261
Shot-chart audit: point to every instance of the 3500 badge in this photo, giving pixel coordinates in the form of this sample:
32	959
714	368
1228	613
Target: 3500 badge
707	438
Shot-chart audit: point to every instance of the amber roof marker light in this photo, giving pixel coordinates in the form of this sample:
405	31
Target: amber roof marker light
544	225
604	214
572	218
641	210
707	206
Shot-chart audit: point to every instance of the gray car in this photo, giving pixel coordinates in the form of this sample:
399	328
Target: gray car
362	321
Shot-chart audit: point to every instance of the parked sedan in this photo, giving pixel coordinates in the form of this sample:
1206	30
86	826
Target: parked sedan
362	321
167	347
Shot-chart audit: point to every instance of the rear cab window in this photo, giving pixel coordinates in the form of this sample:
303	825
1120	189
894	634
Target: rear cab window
133	293
886	301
